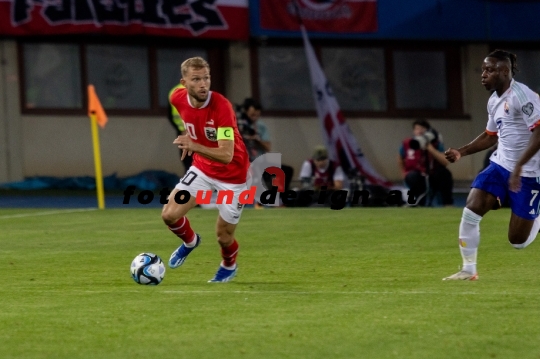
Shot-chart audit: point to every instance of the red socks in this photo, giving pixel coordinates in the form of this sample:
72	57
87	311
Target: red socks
183	230
229	254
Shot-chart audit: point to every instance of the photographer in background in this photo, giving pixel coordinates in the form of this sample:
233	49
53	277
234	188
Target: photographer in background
254	132
320	171
423	165
257	137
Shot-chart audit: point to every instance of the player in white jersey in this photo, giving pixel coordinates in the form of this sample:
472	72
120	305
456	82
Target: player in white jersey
514	170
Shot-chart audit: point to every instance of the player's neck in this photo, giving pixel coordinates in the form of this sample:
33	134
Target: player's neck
504	88
196	103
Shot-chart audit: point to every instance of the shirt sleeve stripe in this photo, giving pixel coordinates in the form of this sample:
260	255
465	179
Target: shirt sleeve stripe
537	123
491	133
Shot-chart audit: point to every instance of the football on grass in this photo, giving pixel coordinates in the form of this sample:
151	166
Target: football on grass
147	269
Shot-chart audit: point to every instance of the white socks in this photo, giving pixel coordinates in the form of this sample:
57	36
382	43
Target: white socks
193	242
532	235
469	239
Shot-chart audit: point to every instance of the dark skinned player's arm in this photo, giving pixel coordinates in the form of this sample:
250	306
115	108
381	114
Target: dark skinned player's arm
480	143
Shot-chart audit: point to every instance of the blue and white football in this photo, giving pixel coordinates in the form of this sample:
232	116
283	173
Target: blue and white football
147	269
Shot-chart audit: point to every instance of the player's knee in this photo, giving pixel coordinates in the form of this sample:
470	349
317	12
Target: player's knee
168	217
224	238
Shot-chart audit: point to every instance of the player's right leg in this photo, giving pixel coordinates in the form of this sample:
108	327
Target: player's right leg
479	202
174	213
488	190
174	216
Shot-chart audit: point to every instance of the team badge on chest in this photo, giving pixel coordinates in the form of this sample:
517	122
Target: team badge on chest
506	108
211	133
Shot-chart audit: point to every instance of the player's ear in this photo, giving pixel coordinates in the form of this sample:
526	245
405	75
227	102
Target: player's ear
506	69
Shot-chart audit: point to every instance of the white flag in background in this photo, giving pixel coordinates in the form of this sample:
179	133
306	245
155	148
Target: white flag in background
340	141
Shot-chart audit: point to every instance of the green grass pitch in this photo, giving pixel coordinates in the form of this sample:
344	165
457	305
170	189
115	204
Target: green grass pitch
312	283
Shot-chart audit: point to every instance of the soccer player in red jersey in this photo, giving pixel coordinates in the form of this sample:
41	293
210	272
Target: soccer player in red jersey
220	162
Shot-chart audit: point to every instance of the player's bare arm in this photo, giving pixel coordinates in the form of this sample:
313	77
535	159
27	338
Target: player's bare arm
222	154
532	148
480	143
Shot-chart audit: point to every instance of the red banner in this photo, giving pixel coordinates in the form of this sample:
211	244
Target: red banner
334	16
218	19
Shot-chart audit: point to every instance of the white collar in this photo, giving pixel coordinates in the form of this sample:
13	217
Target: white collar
507	90
205	102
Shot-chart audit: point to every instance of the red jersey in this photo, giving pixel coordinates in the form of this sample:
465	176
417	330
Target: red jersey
202	126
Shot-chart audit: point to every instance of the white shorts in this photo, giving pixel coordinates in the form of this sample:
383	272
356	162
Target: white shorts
195	180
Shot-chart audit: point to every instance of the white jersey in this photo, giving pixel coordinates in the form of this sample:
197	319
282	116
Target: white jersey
512	117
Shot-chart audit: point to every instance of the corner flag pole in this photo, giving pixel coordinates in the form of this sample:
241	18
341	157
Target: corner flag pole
97	116
97	162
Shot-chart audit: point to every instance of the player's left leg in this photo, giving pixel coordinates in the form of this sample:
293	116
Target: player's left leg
521	231
229	216
229	250
524	222
487	190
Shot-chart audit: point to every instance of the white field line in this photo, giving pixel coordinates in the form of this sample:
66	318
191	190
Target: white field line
288	292
368	292
46	213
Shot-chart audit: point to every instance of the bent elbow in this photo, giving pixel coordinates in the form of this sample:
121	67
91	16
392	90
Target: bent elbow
228	159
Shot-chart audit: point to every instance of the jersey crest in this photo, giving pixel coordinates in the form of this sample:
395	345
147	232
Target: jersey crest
211	133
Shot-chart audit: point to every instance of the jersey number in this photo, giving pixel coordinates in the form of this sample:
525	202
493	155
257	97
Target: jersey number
188	178
191	130
534	193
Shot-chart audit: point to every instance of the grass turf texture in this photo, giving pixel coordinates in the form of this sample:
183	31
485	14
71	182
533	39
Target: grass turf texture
312	283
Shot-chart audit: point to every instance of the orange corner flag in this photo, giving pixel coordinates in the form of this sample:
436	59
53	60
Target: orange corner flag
95	108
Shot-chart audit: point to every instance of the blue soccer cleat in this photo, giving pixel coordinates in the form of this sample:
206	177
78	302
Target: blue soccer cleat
224	275
179	256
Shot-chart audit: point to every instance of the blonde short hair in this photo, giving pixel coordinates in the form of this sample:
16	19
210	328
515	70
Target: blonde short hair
194	62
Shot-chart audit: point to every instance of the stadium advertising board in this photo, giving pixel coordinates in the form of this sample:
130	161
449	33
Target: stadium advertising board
218	19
